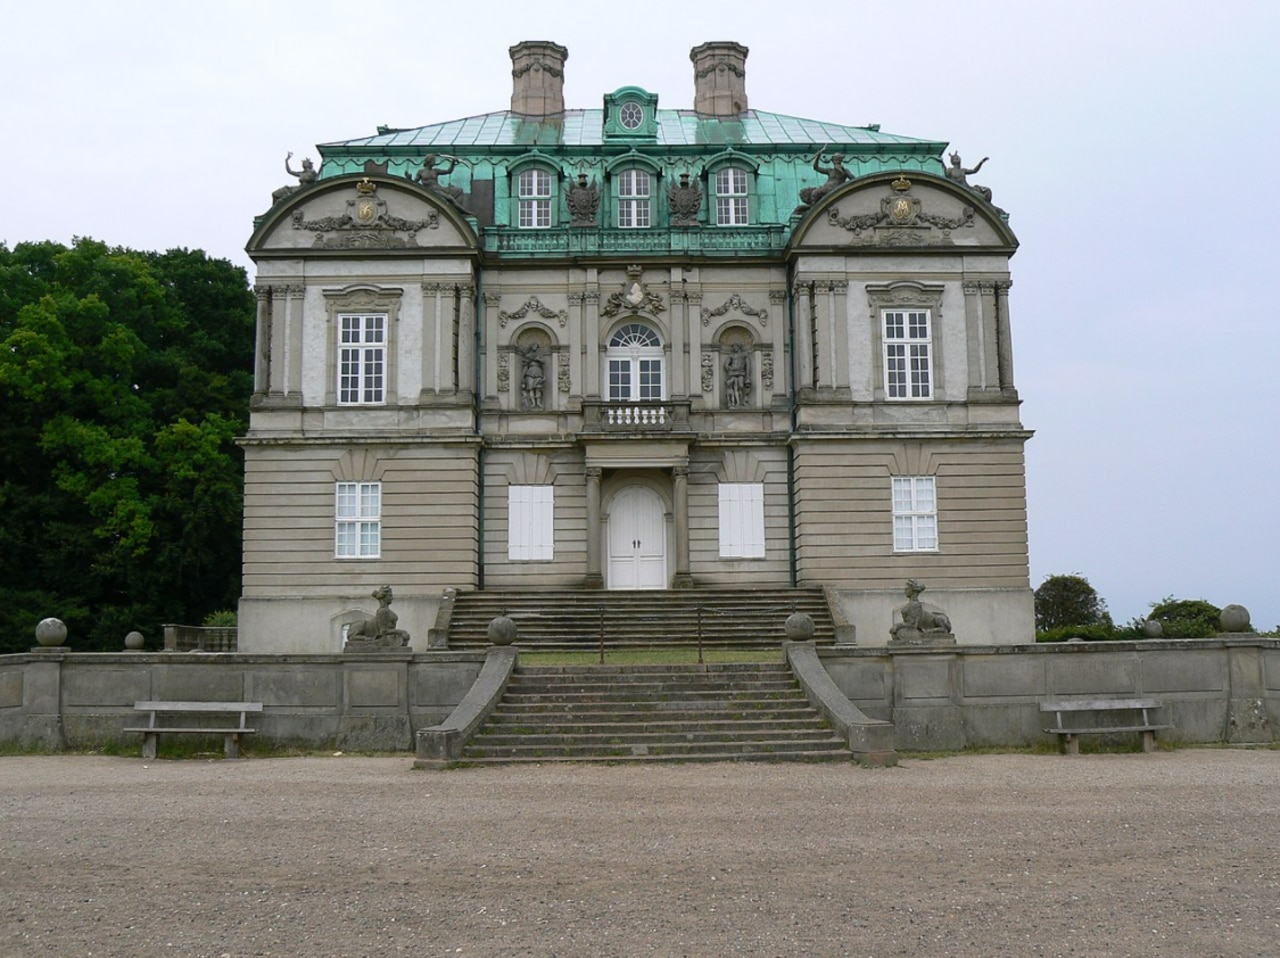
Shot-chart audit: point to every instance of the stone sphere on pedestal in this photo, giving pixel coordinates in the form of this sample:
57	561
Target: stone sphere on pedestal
1234	618
1152	628
799	627
51	632
502	630
134	641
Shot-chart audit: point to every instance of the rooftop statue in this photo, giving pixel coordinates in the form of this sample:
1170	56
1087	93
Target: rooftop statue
307	176
428	177
684	201
583	200
379	632
957	174
836	175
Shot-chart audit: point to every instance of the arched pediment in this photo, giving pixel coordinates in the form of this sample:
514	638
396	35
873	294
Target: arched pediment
903	210
362	214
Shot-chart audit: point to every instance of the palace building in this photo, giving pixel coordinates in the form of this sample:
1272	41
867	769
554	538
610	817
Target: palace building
632	347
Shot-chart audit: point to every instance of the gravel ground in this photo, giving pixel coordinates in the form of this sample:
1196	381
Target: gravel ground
1169	854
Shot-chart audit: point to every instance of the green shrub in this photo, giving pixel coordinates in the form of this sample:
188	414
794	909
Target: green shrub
1186	618
1098	632
222	619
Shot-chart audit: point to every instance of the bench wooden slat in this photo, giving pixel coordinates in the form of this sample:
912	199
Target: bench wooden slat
1115	728
197	706
241	730
1096	705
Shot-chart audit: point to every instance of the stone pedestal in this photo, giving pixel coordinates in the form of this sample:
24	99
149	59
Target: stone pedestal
909	638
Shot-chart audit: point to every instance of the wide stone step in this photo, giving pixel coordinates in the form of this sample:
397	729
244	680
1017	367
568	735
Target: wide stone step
529	716
768	748
640	724
659	686
799	755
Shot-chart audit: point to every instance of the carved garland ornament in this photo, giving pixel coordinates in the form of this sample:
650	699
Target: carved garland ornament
366	224
735	302
766	369
532	305
899	209
708	372
504	372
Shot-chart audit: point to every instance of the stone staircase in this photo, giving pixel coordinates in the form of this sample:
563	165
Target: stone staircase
730	619
649	713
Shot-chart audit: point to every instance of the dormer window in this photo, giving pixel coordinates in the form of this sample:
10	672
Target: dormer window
534	197
635	199
731	197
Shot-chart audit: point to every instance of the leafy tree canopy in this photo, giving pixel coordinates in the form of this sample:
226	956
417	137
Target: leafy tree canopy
1069	600
124	379
1187	618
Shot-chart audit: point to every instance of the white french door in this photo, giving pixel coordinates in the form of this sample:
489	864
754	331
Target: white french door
637	540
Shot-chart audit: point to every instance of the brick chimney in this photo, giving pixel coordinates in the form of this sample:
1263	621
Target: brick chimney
719	78
537	71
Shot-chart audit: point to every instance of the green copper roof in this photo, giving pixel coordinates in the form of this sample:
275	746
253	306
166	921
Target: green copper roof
676	128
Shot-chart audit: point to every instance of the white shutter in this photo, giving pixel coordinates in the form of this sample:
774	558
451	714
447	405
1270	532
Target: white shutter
530	518
741	520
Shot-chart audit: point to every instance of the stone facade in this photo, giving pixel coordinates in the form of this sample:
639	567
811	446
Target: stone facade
612	348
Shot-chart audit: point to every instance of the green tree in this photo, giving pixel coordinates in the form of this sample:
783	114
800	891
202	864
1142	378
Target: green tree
1069	600
124	379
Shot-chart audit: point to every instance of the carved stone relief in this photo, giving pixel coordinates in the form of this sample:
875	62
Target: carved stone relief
583	200
766	369
366	224
633	296
504	372
532	305
708	372
566	385
735	302
901	221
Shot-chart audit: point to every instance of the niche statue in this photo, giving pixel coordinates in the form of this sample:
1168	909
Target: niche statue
920	625
378	633
533	378
737	377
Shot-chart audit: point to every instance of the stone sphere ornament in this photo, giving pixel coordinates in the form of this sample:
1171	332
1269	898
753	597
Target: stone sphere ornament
502	630
51	632
799	627
1234	618
1152	628
134	641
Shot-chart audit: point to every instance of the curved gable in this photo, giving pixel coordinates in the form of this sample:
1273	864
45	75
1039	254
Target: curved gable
364	213
897	210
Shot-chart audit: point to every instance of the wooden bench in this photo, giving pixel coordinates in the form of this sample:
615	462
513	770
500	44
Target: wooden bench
1070	736
231	735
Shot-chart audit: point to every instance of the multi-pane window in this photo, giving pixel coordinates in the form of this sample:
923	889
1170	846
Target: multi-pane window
634	194
362	358
534	191
634	360
358	520
530	530
741	520
915	514
731	197
908	371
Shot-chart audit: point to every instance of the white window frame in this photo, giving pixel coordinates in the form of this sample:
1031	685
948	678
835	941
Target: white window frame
907	335
531	523
533	191
741	520
635	199
915	513
357	526
362	359
634	361
732	196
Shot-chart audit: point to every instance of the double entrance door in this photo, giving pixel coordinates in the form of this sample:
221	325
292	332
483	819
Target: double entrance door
637	540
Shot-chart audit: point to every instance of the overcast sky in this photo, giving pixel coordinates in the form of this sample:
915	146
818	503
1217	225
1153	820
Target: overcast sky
1134	145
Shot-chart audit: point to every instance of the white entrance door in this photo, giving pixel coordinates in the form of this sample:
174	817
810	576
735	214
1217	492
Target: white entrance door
637	540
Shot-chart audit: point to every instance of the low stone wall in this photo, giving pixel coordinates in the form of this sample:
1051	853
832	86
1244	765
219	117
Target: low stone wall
375	701
1214	690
